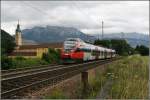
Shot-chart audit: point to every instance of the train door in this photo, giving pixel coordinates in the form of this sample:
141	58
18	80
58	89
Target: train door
97	54
102	54
111	53
105	54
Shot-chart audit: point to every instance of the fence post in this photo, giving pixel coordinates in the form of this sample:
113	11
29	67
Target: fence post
84	80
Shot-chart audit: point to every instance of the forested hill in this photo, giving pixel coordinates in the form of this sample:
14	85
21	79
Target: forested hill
7	42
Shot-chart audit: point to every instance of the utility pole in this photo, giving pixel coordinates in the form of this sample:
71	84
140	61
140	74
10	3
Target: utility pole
102	29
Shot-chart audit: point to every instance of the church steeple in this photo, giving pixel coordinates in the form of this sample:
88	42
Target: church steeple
18	37
18	27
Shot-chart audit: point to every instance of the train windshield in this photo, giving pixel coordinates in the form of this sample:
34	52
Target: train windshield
70	44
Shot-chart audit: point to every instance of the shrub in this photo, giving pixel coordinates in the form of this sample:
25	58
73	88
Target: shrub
6	63
143	50
52	56
20	58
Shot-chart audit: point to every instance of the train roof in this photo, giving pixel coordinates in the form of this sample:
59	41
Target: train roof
74	39
90	46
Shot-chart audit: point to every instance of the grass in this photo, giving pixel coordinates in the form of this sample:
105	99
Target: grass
52	57
30	62
95	84
56	94
130	78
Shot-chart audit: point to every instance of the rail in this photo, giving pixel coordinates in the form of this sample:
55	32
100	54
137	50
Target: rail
13	85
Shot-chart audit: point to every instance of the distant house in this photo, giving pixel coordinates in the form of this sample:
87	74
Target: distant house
31	51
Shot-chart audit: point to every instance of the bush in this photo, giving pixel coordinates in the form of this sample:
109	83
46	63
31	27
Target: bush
52	56
20	62
6	63
20	58
143	50
30	62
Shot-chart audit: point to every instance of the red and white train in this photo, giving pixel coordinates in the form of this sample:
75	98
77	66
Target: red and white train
75	50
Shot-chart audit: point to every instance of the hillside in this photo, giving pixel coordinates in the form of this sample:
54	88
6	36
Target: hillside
7	42
54	34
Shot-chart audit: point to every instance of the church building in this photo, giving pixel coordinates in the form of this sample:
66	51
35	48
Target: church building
30	50
18	38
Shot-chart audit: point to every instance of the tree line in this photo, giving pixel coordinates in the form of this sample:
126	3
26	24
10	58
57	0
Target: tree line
122	47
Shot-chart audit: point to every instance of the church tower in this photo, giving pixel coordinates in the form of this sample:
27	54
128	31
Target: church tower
18	38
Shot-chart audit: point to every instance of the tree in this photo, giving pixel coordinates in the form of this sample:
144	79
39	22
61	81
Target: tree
121	46
7	46
143	50
6	63
7	43
105	43
53	56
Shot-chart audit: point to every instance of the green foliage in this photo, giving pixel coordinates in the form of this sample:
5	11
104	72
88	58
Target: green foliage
19	58
20	62
130	78
121	46
105	43
6	63
96	85
53	56
7	43
143	50
56	94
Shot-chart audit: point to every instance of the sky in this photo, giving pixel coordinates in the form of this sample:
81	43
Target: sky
86	16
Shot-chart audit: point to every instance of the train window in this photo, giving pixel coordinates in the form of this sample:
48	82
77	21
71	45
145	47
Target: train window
71	40
67	50
77	50
95	53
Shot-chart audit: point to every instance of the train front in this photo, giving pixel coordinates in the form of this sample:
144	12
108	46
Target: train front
70	53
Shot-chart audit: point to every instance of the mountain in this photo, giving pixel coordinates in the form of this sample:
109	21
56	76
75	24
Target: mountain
50	34
54	34
28	42
133	38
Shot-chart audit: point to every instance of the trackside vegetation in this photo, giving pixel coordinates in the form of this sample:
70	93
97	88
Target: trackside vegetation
129	77
52	57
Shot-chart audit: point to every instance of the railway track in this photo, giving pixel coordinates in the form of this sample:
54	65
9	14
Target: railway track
24	69
21	72
12	85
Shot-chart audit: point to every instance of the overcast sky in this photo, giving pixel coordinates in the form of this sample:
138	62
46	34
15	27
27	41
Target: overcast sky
118	16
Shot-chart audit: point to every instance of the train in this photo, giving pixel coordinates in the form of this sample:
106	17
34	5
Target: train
76	50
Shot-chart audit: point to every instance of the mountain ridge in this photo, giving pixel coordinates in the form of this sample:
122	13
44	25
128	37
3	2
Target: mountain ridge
54	34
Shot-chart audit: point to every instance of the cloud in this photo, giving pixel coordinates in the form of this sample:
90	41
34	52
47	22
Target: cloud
118	16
